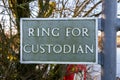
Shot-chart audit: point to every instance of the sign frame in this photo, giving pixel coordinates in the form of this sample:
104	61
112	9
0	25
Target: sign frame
57	62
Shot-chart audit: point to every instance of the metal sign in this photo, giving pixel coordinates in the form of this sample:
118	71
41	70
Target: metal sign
60	41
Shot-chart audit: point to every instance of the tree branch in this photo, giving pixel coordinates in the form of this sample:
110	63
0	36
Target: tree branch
90	10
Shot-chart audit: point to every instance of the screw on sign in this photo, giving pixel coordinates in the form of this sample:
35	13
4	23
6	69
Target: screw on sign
75	72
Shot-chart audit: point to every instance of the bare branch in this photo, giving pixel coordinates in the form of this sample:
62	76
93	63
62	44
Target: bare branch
90	10
80	8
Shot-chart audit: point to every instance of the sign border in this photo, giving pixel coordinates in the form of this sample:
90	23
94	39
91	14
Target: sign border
57	62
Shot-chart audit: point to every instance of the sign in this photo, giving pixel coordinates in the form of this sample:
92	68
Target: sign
60	41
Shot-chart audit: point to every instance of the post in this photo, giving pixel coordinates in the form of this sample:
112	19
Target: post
109	52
